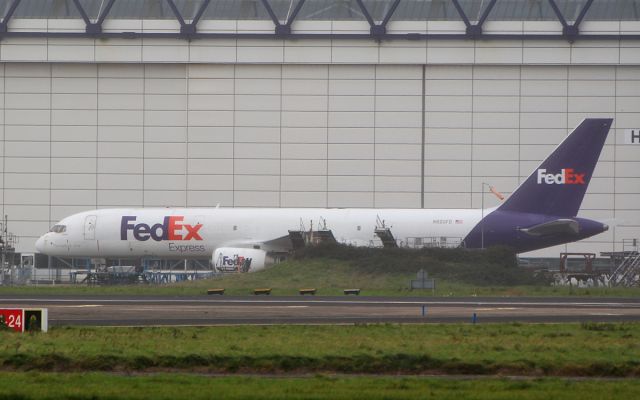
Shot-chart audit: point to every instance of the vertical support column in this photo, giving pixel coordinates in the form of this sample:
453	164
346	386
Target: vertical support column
422	149
4	137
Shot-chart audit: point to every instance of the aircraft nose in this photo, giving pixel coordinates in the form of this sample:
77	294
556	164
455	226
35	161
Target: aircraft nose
605	227
40	244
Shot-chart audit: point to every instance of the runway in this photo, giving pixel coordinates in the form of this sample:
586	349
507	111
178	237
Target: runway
226	310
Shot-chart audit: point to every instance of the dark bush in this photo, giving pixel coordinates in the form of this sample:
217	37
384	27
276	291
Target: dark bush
101	363
492	266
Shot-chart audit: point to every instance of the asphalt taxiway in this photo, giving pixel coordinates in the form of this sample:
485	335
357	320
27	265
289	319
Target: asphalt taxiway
215	310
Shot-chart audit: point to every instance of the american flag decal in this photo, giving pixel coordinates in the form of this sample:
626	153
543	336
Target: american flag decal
459	221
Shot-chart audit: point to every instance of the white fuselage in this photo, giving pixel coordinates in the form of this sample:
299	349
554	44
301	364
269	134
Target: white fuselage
197	232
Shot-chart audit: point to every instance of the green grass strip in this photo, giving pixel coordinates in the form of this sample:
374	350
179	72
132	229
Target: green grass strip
330	276
518	349
52	386
376	271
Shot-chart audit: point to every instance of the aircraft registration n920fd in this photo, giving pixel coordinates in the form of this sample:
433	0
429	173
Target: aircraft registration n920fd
541	212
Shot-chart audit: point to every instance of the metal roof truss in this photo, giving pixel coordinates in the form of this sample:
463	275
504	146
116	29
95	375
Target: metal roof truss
378	31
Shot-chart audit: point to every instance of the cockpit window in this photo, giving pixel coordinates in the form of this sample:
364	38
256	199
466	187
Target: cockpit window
58	228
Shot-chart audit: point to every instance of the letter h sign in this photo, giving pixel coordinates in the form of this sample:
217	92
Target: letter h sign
632	136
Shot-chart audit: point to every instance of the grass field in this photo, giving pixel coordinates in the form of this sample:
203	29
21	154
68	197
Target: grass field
96	386
375	271
334	362
528	349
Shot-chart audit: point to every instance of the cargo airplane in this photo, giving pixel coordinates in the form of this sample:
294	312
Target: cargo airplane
541	212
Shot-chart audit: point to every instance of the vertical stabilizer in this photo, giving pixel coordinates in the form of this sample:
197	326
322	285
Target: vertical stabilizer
558	185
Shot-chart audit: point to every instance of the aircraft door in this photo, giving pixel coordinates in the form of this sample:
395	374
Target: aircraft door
90	227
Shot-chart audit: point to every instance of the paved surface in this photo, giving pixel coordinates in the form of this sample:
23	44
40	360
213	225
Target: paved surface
213	310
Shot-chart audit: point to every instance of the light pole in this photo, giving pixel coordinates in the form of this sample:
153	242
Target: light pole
482	218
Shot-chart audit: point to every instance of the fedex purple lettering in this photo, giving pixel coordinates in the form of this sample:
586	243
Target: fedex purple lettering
170	229
237	263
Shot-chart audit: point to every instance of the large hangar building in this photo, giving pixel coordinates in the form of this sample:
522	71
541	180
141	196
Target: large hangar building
316	103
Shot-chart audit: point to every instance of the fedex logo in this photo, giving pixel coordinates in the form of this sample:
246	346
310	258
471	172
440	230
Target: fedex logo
171	228
231	264
567	176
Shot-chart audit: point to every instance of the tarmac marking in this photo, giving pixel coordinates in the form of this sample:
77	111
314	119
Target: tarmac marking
606	314
82	306
339	302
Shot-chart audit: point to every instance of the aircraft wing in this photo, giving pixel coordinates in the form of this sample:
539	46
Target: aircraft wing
282	243
558	226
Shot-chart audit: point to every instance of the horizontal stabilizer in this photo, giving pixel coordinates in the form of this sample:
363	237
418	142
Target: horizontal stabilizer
558	226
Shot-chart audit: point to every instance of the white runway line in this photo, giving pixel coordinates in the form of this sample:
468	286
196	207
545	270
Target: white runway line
82	306
339	302
606	314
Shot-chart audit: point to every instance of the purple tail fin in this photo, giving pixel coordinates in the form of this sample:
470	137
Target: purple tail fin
558	185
